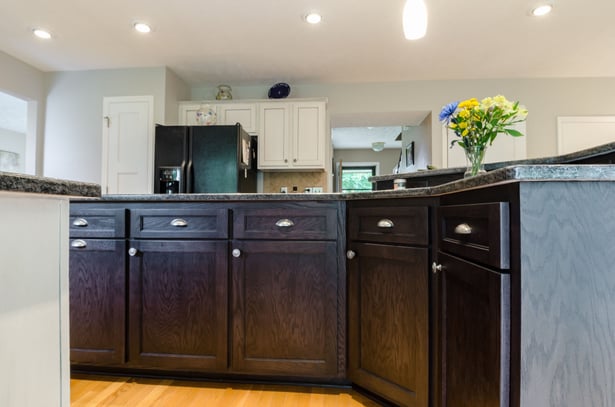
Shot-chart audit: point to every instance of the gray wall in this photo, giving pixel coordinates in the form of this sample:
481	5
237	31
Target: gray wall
25	82
74	119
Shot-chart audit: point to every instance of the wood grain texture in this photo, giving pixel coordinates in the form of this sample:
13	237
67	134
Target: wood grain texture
100	391
567	294
178	304
285	308
388	322
97	275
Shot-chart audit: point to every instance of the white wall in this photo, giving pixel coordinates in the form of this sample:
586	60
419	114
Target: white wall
421	136
16	143
25	82
74	119
545	98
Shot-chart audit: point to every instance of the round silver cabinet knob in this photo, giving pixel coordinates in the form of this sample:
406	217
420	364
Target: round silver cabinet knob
350	254
236	252
436	267
132	252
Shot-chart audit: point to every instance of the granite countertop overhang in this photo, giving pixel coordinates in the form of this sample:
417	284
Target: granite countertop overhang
554	160
517	173
13	182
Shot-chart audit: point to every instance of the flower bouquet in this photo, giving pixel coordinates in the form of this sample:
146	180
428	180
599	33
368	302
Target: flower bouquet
478	123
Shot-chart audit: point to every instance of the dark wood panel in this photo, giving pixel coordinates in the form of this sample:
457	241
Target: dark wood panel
178	305
474	324
389	322
179	223
401	224
487	236
285	223
86	221
97	281
284	304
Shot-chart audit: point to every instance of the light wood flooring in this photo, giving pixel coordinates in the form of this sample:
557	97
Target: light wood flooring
98	391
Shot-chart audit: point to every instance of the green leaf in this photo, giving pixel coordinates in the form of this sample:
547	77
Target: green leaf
514	133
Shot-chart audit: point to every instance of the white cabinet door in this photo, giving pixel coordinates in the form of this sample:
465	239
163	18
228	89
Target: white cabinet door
274	136
187	114
243	113
292	136
308	135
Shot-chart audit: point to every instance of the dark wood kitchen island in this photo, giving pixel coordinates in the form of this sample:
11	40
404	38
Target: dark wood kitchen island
484	290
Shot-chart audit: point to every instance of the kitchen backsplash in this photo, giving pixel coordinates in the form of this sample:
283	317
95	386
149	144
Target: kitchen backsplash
273	181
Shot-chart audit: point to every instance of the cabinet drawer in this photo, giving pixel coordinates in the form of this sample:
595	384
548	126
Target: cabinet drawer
285	223
478	232
101	223
179	223
404	225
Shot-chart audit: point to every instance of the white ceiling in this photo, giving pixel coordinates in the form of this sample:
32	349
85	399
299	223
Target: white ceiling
362	137
242	42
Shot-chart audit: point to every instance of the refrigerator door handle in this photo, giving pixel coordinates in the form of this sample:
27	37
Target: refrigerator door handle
189	177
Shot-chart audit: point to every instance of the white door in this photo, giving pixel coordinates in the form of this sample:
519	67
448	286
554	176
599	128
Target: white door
128	145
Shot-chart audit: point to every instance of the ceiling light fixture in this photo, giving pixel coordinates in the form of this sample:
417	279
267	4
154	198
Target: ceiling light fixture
378	146
142	28
40	33
415	19
313	18
542	10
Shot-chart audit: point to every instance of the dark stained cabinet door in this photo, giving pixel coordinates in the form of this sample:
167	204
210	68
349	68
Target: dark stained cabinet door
389	321
474	330
284	308
178	304
97	281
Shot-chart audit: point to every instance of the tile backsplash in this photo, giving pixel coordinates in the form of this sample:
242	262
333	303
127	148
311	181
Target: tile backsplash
273	181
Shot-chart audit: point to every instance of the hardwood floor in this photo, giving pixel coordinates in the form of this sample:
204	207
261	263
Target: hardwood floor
99	391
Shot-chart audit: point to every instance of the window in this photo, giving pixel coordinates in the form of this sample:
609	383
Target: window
356	179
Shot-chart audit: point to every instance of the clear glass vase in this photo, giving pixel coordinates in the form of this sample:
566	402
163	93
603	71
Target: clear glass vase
475	156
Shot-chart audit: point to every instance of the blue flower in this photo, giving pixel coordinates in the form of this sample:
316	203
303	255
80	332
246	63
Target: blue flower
447	112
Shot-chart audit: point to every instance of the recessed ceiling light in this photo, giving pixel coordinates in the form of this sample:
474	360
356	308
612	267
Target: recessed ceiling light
313	18
542	10
142	28
40	33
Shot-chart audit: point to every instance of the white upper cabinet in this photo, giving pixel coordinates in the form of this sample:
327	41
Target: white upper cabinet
226	113
292	135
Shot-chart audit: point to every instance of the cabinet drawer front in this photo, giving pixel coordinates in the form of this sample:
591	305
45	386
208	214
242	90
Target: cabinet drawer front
405	225
102	223
285	223
179	223
478	232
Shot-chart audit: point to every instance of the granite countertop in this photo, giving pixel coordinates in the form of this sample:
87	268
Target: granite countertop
517	173
13	182
559	159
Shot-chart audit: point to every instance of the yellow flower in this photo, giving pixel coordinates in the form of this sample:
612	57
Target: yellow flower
463	125
468	104
464	114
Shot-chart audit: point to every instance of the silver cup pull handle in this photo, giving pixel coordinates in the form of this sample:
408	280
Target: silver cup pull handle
78	244
385	223
80	223
285	223
463	229
179	223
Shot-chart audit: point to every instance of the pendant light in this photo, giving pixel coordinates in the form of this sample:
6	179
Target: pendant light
415	19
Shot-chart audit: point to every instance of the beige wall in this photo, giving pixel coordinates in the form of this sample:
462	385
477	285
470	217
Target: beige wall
273	181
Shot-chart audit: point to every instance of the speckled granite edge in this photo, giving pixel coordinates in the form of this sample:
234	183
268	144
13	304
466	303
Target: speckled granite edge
43	185
555	160
545	173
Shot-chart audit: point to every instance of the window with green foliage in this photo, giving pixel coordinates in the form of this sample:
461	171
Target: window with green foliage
356	179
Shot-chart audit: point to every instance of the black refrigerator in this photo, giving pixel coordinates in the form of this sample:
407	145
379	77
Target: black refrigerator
204	159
